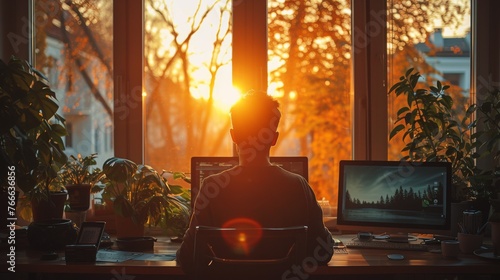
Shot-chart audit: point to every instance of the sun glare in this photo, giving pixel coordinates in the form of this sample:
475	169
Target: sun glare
227	97
224	94
199	52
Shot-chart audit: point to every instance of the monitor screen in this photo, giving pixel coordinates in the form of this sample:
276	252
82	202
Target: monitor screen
202	167
394	196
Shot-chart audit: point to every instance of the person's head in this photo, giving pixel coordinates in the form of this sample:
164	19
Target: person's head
255	119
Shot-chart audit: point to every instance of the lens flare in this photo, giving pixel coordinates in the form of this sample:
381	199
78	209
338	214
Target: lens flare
248	234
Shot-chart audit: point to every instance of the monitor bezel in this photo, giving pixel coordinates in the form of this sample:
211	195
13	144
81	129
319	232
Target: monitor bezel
385	227
195	182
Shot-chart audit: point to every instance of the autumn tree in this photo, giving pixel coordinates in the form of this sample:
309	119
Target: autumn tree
178	124
311	40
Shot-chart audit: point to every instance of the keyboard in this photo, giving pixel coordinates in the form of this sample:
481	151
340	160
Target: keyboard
384	245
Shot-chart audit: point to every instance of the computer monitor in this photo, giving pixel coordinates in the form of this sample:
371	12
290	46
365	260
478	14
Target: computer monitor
394	197
202	167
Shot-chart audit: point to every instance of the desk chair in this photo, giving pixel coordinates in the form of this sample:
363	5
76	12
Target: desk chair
247	253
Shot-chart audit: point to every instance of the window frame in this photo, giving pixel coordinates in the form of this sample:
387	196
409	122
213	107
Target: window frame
128	67
370	129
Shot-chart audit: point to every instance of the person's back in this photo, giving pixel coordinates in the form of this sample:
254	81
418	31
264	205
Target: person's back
256	193
269	195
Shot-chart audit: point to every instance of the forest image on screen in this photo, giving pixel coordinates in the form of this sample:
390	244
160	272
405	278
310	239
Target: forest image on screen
388	194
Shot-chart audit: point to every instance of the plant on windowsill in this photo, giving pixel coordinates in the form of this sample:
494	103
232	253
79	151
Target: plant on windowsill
140	195
175	222
487	182
78	176
433	132
31	130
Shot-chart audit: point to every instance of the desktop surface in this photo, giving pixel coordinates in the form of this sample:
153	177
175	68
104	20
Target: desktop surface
358	263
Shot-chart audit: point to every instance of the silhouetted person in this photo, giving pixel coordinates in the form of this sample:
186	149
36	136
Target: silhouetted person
258	192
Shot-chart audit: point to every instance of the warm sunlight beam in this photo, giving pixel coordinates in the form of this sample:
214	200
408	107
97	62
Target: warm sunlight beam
224	94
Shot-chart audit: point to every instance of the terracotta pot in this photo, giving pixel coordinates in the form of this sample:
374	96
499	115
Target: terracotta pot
79	197
125	227
469	242
52	208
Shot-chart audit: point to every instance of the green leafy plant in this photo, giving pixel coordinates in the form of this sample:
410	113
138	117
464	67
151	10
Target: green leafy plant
140	192
31	131
486	183
80	170
489	116
432	131
176	222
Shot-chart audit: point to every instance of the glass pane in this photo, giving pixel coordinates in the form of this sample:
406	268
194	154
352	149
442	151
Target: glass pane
74	43
188	81
434	38
309	67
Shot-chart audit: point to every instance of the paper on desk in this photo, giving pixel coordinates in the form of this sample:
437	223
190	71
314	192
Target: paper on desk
115	256
121	256
155	257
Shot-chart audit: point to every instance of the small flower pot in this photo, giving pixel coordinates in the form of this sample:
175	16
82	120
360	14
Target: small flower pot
51	208
469	242
79	197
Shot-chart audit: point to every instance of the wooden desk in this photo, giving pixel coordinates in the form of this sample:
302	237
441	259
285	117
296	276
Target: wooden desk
357	264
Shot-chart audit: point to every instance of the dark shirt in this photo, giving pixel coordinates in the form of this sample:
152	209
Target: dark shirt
268	195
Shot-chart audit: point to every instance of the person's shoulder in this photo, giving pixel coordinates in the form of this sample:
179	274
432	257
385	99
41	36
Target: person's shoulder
233	171
288	174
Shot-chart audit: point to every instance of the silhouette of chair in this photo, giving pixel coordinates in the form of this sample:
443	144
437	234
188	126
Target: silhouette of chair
247	253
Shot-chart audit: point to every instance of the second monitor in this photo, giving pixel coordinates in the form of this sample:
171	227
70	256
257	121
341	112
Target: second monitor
394	196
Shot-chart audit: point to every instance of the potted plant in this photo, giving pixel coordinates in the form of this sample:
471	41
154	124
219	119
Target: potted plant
486	183
78	176
45	202
176	220
433	132
139	194
31	131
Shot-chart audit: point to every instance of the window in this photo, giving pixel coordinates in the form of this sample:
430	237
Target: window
74	47
433	37
180	106
456	79
310	68
187	81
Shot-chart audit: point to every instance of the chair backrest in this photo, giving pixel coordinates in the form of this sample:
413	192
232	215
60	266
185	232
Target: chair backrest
238	253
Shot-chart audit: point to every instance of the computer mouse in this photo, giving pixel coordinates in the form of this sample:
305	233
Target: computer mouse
396	257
